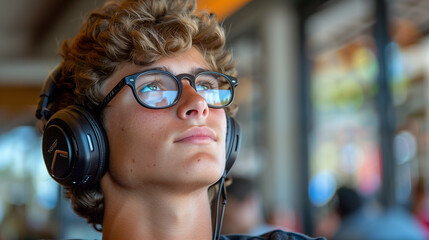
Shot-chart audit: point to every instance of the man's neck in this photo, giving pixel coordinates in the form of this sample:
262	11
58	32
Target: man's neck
156	215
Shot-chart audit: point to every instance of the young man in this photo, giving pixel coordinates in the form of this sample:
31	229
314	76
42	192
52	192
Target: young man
145	89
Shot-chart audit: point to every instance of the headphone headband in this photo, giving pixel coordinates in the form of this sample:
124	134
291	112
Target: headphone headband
47	94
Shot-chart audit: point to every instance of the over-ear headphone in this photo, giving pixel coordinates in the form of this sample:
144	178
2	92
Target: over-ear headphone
232	142
74	143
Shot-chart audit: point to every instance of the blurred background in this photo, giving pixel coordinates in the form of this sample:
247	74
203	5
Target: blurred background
333	95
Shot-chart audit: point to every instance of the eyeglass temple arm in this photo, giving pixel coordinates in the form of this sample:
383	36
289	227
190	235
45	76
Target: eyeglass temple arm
111	94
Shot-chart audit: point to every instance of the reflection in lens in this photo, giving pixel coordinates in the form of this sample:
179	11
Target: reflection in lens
156	89
158	98
216	97
214	88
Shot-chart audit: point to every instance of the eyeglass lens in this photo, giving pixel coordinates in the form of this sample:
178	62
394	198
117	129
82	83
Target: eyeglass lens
160	90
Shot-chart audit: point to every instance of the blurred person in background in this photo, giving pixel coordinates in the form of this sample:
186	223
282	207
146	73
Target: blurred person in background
355	220
359	220
245	209
154	149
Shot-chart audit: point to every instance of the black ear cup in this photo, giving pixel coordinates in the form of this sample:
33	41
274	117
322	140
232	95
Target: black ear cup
75	147
233	142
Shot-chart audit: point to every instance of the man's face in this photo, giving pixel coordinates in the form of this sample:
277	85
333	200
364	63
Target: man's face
179	147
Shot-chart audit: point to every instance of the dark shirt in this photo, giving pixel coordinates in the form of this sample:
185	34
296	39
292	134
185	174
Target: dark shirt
273	235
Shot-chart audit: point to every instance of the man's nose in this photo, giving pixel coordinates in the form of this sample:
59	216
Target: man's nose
191	104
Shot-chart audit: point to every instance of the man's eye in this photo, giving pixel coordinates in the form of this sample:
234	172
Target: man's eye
203	87
150	87
207	84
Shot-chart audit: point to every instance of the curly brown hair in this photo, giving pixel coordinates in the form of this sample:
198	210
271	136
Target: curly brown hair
141	32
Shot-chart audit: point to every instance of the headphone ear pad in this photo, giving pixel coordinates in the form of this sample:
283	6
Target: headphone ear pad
75	147
232	142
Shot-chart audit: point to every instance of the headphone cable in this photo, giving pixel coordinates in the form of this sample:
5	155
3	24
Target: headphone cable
222	191
223	208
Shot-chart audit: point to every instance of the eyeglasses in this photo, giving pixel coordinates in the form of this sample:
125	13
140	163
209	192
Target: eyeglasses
157	89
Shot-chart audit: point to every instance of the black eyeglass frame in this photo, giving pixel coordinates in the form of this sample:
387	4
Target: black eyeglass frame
130	81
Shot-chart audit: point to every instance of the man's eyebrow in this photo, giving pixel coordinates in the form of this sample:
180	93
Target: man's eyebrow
162	68
194	71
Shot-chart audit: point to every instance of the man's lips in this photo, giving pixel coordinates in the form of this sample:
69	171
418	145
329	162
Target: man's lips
196	135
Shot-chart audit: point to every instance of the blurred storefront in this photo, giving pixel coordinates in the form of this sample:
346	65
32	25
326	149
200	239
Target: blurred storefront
367	85
339	95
